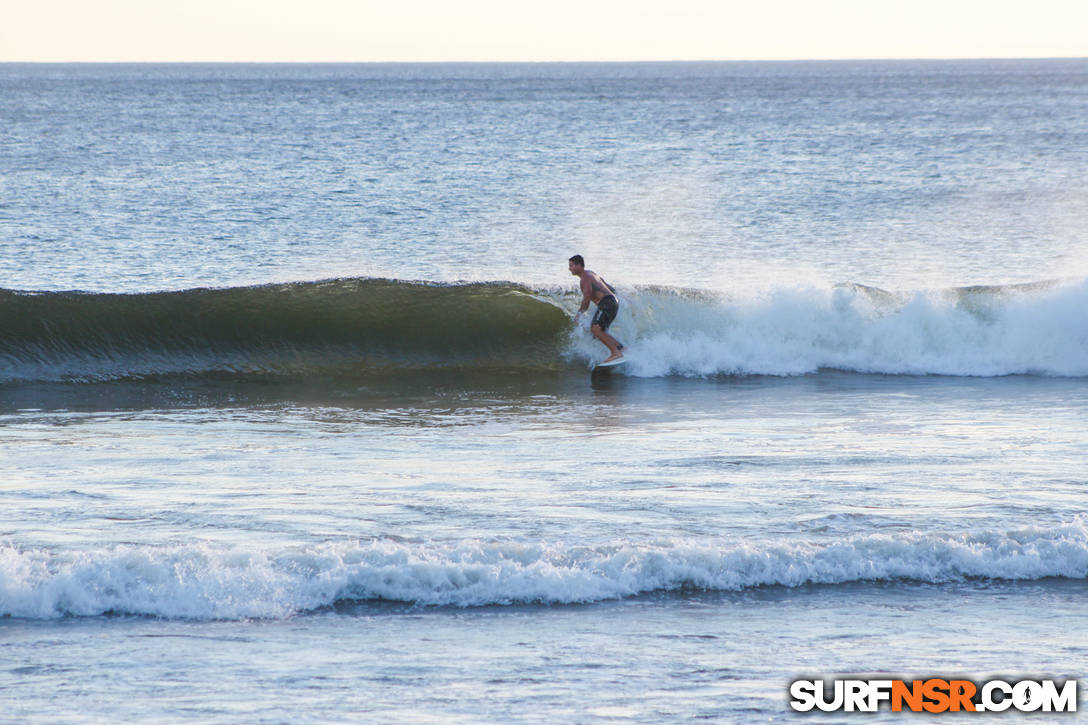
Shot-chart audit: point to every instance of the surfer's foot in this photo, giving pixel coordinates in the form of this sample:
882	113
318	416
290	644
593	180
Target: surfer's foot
615	356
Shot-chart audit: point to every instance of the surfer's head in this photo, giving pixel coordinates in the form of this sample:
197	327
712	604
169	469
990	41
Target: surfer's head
576	264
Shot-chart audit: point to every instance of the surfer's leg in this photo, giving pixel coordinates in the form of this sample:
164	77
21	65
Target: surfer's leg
610	342
606	313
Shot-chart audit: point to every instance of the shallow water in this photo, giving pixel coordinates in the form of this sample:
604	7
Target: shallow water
718	656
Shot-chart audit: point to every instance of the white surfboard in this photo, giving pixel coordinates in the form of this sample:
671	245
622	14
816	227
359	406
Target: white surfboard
610	363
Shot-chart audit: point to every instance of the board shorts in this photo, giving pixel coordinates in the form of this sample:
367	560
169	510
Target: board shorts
607	309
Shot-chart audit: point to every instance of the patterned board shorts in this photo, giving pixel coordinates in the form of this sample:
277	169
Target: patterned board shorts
607	309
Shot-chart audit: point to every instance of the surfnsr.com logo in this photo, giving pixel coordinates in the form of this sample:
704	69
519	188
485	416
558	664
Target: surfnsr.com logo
933	695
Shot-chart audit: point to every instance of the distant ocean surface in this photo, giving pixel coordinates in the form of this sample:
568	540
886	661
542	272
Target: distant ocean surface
296	424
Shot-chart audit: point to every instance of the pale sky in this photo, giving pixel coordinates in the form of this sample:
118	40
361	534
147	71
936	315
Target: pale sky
543	30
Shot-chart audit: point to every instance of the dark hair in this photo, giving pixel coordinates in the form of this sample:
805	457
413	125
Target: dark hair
577	259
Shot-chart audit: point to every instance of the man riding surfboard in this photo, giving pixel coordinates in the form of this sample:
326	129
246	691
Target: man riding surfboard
596	290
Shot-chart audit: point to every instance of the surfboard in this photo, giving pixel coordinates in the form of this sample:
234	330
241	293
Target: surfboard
611	364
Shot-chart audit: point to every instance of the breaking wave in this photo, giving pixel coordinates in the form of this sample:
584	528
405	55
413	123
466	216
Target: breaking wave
972	331
355	327
201	582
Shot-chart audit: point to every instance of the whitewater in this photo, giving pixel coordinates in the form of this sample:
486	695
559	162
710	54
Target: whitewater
297	422
207	584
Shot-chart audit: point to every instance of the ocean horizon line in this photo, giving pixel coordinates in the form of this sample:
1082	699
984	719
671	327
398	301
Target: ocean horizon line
661	61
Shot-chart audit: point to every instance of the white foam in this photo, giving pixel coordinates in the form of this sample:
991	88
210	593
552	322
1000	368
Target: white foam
200	582
792	331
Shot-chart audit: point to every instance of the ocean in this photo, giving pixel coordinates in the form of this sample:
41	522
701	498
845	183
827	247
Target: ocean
297	425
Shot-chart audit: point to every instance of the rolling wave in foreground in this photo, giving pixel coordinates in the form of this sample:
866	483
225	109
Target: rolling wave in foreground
350	328
201	582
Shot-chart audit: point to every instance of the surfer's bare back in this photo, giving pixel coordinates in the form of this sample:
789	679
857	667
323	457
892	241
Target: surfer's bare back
599	292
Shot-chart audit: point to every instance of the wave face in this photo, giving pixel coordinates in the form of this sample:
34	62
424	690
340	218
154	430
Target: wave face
345	326
357	327
194	582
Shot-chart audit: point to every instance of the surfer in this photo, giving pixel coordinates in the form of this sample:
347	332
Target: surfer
596	290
